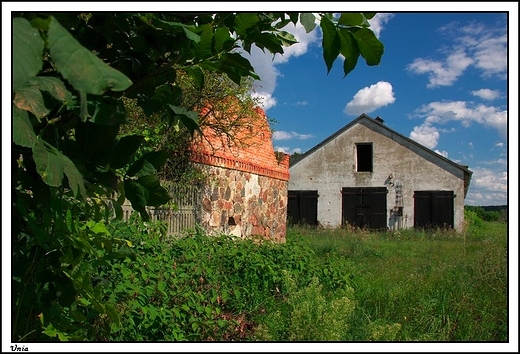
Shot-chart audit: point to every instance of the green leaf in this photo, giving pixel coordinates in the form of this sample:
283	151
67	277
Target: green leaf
353	19
287	38
51	164
29	98
51	331
267	40
293	16
369	46
94	140
54	86
223	40
106	111
99	228
136	194
190	34
203	47
149	163
48	164
282	24
113	314
188	118
124	150
138	43
308	21
235	67
197	75
162	95
156	195
330	42
243	21
23	131
349	50
75	178
77	316
27	52
78	65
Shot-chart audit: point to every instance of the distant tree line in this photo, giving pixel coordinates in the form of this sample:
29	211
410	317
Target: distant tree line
490	213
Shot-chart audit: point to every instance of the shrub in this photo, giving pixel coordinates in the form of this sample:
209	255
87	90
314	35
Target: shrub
308	315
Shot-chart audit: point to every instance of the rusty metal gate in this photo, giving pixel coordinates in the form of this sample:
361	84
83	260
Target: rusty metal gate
433	209
181	217
364	207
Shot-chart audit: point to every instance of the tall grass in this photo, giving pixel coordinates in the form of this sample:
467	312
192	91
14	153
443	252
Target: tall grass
422	285
321	285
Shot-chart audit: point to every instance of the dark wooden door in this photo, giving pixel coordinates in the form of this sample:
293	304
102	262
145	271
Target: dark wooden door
364	207
433	209
302	207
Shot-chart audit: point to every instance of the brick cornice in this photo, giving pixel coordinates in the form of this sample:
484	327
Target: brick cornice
206	158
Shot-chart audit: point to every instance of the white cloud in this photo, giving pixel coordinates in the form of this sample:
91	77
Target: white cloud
301	103
426	135
442	153
486	94
442	74
378	21
287	150
281	135
487	187
478	46
266	99
370	98
502	163
265	64
466	114
491	56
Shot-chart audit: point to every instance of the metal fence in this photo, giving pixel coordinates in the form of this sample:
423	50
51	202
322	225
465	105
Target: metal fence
179	218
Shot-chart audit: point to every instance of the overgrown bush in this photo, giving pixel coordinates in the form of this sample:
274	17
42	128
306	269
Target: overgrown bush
198	287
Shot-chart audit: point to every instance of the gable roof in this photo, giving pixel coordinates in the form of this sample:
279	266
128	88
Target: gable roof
363	118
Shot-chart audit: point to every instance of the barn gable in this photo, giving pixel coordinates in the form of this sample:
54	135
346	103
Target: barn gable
352	169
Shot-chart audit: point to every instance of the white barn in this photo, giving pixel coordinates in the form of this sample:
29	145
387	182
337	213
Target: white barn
370	176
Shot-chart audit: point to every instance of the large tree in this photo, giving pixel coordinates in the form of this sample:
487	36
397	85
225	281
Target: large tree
71	166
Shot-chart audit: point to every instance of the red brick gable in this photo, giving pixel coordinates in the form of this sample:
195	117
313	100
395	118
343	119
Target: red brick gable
247	148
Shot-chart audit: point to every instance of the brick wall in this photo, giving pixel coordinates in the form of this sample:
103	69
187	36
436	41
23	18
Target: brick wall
246	190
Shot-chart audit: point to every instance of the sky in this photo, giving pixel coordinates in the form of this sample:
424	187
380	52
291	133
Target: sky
442	81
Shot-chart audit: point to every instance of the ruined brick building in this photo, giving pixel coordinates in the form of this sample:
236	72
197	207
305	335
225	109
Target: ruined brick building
245	193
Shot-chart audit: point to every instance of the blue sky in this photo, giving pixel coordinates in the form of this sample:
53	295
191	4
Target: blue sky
442	81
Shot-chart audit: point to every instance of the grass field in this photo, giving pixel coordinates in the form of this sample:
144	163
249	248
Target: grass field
421	286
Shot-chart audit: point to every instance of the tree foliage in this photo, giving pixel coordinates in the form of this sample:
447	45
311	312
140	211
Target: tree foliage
71	165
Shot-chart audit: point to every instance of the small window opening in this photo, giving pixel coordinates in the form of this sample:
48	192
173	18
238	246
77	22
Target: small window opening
364	157
231	221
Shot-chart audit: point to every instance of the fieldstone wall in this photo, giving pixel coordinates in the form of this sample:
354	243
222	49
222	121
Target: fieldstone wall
243	204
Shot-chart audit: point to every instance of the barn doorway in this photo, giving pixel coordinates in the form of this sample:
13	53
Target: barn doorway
302	207
364	207
433	209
